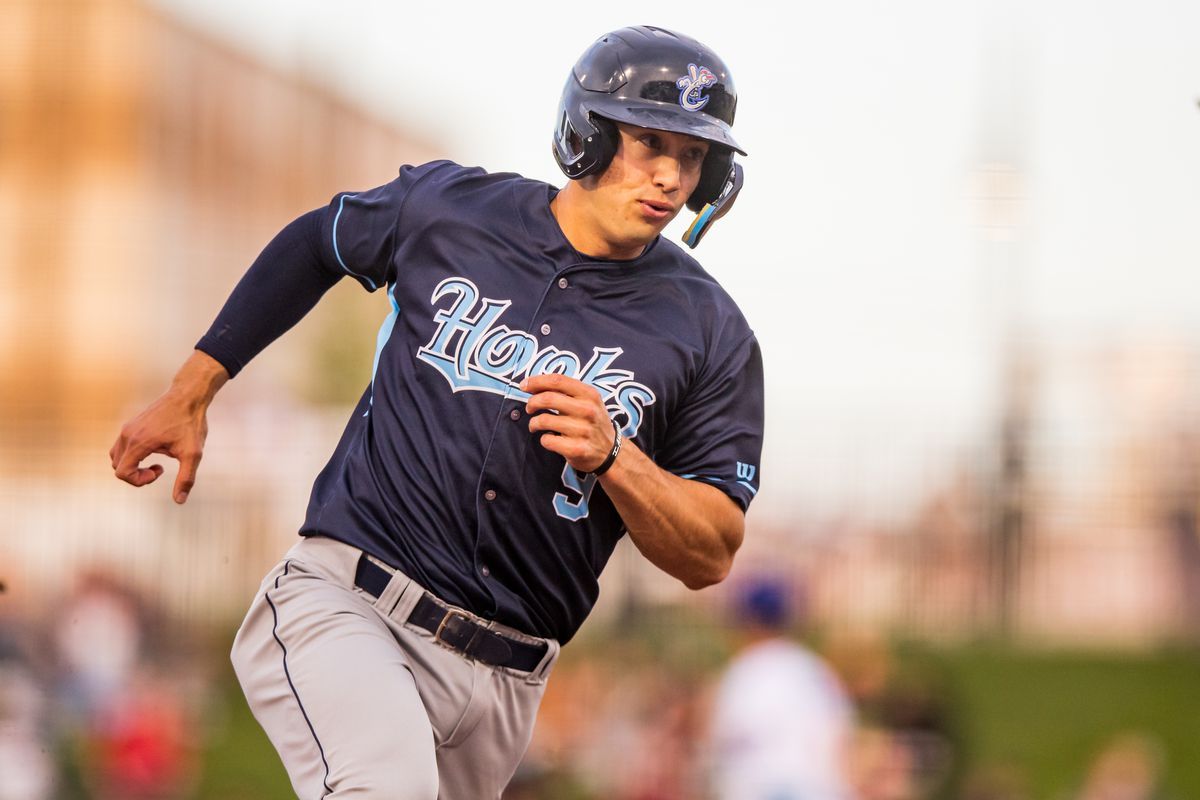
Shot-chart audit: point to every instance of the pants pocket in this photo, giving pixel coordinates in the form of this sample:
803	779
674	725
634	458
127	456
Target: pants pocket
477	705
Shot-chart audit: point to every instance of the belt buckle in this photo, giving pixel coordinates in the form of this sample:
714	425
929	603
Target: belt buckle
446	621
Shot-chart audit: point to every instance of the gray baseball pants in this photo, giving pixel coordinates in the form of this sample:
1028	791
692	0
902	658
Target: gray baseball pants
361	704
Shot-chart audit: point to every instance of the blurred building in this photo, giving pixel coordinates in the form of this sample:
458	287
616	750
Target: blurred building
1117	552
143	165
1110	507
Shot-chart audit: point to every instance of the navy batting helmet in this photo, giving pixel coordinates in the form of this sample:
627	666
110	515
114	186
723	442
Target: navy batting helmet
652	78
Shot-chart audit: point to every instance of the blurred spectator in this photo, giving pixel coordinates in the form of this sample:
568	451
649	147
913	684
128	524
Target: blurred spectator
26	771
881	767
905	746
130	734
996	782
781	722
1129	767
141	747
98	635
659	765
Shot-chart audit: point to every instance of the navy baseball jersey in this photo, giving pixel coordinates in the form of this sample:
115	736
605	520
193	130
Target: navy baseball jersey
437	473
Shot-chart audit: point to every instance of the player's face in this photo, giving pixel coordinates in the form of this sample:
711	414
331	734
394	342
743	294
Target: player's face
650	179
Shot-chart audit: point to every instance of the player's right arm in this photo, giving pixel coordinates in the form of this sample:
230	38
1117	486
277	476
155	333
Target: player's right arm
283	284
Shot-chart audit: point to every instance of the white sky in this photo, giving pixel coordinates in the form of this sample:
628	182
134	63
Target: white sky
855	249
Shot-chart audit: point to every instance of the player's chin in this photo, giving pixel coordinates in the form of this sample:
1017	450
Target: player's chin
637	240
643	229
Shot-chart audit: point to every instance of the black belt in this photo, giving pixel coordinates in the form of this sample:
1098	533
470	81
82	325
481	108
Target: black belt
453	627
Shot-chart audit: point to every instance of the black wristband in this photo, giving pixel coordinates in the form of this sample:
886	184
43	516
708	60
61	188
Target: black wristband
612	456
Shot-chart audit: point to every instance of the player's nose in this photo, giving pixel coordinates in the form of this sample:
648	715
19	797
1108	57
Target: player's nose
667	173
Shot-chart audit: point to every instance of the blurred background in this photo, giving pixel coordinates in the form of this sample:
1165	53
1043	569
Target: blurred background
969	245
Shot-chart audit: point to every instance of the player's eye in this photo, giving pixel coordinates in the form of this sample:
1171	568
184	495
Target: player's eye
652	141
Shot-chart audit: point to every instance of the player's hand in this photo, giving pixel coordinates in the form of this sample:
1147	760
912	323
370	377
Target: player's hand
170	426
582	430
174	425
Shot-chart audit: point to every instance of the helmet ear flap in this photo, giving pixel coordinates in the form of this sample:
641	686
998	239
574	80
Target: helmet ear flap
584	147
606	147
714	174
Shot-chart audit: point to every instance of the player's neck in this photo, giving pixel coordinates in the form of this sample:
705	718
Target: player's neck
575	216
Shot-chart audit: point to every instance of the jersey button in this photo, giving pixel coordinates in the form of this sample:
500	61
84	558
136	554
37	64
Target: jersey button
563	283
545	328
515	414
484	571
490	494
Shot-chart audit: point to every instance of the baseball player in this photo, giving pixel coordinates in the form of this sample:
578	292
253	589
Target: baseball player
553	375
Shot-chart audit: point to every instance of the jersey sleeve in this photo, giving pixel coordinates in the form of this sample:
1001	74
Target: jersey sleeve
716	434
364	228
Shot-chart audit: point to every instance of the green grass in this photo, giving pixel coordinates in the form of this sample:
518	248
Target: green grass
1046	714
239	762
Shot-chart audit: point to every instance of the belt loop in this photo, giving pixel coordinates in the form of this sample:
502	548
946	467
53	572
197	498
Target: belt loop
407	594
389	598
542	671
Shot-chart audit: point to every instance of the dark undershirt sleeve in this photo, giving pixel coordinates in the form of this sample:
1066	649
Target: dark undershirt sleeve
281	286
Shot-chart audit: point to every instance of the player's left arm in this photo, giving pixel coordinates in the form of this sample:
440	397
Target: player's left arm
688	529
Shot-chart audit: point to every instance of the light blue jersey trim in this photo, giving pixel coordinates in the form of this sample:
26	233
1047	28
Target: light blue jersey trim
338	255
385	333
711	479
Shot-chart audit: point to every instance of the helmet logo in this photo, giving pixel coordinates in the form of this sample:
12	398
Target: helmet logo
692	84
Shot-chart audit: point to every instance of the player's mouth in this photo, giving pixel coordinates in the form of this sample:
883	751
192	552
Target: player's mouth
656	210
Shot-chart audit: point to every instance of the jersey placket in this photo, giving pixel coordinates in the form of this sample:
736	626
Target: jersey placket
498	500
